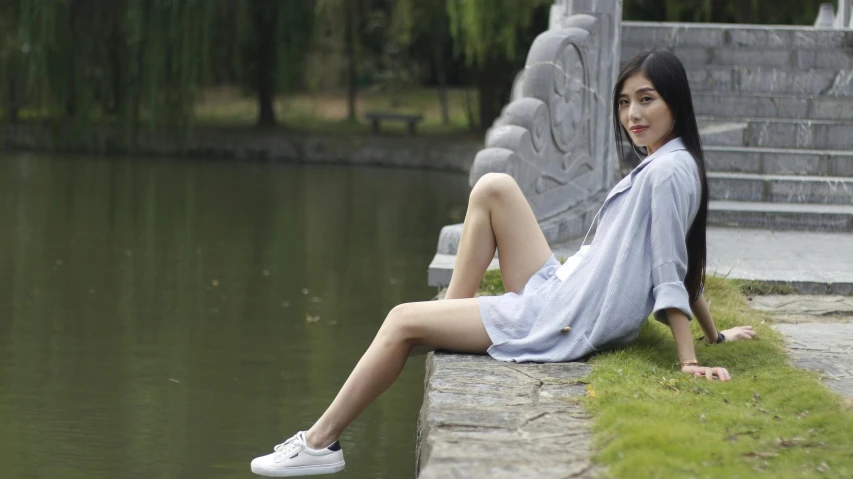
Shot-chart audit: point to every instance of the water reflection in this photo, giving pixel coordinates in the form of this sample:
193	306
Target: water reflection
169	318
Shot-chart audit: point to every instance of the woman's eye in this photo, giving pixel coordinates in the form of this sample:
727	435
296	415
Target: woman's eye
623	102
646	98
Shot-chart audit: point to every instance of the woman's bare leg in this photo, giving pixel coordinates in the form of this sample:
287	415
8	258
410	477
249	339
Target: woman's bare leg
499	217
451	324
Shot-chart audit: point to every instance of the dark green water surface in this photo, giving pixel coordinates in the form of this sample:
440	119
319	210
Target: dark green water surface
176	318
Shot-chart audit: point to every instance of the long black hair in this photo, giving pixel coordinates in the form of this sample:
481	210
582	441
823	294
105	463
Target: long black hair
670	80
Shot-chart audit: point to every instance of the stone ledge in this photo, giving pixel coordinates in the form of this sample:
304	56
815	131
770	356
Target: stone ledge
483	418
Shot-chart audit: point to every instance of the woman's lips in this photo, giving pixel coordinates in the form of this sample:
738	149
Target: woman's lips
638	129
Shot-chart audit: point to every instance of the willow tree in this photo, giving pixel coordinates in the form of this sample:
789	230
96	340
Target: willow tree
340	28
12	52
420	30
132	60
493	36
273	38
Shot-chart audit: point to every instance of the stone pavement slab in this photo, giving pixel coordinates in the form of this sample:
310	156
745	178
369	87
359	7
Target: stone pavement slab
802	308
812	263
823	347
819	332
487	418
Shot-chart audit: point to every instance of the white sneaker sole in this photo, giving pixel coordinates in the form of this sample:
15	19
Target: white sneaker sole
301	470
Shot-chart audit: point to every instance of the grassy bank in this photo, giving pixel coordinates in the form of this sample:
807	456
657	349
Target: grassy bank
327	112
771	420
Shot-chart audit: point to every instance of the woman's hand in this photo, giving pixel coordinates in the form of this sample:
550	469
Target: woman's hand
709	373
738	333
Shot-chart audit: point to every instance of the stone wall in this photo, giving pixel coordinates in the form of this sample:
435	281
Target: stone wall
483	418
443	153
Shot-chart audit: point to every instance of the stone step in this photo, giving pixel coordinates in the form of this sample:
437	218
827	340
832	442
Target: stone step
733	36
749	80
741	105
722	133
777	133
778	161
780	188
776	216
698	57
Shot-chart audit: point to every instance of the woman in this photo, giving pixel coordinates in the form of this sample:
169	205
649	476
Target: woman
648	256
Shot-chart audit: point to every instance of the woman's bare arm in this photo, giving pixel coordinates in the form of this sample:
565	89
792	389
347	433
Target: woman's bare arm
703	315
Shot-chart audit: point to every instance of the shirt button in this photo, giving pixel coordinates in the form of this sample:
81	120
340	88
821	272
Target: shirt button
566	329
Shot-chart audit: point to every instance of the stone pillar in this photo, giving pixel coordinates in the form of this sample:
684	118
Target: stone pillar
556	136
825	16
843	15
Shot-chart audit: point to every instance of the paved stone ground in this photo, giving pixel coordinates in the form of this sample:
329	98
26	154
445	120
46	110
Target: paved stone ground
819	330
486	418
812	263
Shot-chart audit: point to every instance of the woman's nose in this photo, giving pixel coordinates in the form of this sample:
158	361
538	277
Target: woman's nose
633	112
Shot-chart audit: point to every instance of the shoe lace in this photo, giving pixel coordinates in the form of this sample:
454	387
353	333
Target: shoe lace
288	447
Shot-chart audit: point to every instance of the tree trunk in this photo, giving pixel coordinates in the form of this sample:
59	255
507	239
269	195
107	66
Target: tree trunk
349	52
493	85
743	12
138	80
13	96
266	19
72	51
115	57
469	111
441	75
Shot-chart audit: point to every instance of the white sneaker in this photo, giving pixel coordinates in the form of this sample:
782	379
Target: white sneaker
294	458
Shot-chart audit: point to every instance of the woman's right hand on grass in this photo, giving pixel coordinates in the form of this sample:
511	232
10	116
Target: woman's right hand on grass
708	372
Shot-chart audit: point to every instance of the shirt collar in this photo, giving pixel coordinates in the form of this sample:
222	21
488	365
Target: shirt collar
672	145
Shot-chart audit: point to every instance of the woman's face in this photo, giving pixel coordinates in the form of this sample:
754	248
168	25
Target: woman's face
644	114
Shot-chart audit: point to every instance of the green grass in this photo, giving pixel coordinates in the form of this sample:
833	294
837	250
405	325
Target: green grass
327	112
772	420
492	284
758	288
323	112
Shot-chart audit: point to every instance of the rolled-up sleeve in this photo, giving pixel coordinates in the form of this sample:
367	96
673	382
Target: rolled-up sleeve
669	219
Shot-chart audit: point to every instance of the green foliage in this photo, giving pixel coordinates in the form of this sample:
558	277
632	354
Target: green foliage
651	420
142	60
135	61
86	59
481	28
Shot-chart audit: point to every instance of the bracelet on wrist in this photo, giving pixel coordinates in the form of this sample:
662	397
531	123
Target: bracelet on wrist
690	362
721	338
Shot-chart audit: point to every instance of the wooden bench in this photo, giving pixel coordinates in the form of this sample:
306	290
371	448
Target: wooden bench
376	117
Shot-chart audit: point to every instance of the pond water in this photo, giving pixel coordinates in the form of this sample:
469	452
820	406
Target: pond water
175	318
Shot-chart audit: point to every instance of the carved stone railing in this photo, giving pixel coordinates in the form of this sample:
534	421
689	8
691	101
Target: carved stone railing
555	137
546	139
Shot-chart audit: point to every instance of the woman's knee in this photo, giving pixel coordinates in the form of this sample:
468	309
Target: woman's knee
402	323
492	187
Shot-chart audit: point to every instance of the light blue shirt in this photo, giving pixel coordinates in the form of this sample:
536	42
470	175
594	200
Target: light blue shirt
635	266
